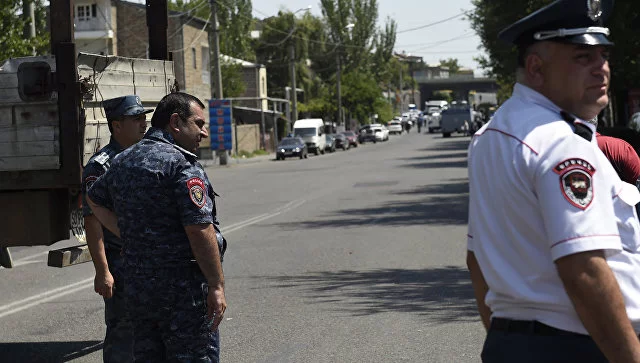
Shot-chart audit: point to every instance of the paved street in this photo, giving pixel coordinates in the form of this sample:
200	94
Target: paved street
355	256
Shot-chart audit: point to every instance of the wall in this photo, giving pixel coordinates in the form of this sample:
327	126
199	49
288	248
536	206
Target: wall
248	138
131	32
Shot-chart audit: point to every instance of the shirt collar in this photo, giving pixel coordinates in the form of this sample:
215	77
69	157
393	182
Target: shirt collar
115	145
539	99
163	136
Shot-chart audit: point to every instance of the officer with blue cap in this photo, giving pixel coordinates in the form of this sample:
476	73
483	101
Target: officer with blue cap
126	119
553	235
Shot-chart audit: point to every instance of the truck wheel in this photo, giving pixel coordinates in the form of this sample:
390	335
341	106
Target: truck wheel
430	130
316	151
446	134
321	152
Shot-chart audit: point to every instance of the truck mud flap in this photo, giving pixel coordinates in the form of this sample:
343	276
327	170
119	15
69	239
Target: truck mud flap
5	258
69	256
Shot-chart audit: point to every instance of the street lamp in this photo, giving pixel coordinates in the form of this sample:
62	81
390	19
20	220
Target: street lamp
292	68
338	80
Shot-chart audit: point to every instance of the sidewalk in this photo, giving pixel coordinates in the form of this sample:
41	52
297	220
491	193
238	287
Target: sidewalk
236	161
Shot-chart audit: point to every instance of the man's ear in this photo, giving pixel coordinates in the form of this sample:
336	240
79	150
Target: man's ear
534	69
173	122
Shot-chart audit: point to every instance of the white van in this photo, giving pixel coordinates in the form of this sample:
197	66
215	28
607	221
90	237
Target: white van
311	130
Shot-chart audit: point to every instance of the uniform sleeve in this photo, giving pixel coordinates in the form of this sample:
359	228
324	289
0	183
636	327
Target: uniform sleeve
191	191
98	191
90	174
575	193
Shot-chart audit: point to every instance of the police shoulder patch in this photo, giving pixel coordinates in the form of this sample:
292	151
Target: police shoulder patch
88	182
576	182
196	191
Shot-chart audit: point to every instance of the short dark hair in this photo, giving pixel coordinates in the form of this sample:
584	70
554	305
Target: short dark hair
176	102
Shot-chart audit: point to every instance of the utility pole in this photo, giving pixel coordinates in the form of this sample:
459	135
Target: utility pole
216	75
294	93
400	89
216	80
29	15
338	90
157	24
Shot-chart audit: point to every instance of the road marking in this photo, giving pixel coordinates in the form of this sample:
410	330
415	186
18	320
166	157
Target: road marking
287	207
44	297
49	295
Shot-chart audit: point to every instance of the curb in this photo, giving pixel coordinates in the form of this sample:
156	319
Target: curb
215	162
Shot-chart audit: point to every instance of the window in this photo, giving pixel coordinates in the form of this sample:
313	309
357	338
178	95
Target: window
193	56
85	12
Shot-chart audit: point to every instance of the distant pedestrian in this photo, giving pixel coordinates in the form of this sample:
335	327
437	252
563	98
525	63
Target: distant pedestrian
166	217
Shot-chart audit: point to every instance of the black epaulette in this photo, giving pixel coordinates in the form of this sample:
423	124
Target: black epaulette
579	129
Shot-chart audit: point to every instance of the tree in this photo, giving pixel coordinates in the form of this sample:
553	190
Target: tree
12	42
489	17
452	64
234	17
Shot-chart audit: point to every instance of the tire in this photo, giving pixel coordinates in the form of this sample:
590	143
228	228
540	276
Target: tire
446	134
306	155
322	152
316	151
430	130
301	155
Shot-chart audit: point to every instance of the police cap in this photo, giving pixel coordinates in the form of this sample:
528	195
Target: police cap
123	106
566	21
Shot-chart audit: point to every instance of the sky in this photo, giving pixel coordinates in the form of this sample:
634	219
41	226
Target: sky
452	38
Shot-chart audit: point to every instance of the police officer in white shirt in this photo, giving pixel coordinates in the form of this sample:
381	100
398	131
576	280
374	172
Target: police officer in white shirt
553	236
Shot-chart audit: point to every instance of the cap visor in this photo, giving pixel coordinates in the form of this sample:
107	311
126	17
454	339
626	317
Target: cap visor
586	39
136	111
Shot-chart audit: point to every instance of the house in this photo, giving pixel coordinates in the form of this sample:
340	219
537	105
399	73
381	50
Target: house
118	27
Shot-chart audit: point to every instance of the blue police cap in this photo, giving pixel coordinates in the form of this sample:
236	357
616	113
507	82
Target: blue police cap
566	21
123	106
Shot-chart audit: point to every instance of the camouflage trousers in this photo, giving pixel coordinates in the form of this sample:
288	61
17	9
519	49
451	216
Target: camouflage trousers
169	314
118	341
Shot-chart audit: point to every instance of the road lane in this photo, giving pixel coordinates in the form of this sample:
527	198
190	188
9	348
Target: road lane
352	256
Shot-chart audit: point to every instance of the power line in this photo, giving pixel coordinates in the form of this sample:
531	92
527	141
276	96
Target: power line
464	36
432	24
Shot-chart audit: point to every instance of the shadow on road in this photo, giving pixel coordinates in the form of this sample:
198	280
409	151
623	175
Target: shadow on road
444	294
437	164
50	352
449	210
448	145
453	186
457	154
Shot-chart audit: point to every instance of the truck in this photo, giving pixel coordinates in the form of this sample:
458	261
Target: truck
52	122
456	118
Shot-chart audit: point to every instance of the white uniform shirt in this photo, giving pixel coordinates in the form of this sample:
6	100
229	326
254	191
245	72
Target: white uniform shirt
539	192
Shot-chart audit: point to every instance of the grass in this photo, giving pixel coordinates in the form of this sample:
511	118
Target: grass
243	154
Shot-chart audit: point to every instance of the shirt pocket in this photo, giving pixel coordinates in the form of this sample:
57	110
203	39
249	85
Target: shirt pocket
627	217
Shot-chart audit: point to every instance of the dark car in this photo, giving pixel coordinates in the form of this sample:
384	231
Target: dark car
352	137
331	143
291	146
341	142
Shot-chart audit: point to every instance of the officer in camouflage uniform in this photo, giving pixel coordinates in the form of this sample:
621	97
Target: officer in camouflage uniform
127	123
157	197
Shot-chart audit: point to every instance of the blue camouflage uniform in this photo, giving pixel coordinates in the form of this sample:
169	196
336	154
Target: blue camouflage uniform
156	188
118	341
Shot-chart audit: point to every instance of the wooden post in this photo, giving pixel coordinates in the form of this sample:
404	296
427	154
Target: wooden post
157	24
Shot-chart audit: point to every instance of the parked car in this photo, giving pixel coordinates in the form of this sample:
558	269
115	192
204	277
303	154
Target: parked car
341	141
366	134
330	145
381	132
395	127
291	146
352	137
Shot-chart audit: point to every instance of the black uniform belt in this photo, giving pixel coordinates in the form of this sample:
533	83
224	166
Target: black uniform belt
529	327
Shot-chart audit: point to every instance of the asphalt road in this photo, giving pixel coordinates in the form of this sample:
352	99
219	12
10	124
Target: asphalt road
355	256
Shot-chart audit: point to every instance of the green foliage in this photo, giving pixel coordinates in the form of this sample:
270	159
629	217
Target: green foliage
442	95
12	42
451	63
232	79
